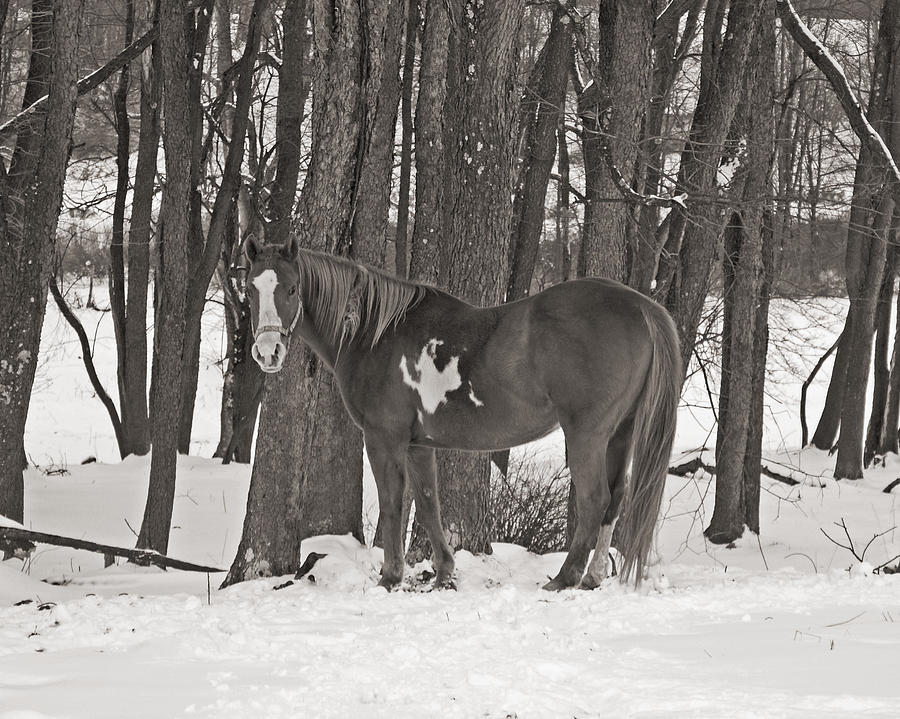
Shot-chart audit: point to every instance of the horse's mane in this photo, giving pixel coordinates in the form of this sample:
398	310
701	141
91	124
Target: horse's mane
346	298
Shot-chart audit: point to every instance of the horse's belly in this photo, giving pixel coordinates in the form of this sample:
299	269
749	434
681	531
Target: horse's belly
469	429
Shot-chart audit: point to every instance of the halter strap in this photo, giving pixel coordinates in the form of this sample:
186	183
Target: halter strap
278	328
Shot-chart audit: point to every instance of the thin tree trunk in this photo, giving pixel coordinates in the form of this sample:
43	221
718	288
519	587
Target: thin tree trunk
117	244
563	260
890	432
684	270
542	106
401	251
134	416
172	278
877	416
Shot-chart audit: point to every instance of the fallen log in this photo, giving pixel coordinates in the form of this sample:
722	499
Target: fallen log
143	557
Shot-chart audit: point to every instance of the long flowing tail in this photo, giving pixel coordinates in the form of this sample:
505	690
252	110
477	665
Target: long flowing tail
654	431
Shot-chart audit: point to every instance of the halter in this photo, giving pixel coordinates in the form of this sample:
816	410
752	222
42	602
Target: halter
279	329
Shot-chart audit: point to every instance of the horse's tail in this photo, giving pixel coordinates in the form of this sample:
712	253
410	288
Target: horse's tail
654	431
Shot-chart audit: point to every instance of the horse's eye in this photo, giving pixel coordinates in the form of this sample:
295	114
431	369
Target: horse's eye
292	291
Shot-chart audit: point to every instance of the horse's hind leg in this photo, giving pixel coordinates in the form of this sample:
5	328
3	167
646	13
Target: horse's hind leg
617	455
422	472
387	466
587	462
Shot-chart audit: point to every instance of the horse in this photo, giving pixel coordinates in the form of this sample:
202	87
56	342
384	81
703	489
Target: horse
420	370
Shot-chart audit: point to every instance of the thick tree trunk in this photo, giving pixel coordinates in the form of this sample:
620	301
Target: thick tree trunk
172	278
307	475
30	199
542	107
870	219
743	363
613	105
424	263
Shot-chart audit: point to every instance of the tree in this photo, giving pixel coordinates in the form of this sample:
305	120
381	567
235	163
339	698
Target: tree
171	278
469	60
610	108
30	199
737	478
541	109
682	280
307	476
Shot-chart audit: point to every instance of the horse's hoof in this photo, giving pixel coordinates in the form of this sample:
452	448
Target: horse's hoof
588	582
555	585
387	584
444	583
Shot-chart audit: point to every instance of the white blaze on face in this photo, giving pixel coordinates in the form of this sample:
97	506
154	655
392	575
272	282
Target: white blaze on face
425	378
267	342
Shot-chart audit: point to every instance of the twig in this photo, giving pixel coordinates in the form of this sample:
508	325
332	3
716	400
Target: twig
891	486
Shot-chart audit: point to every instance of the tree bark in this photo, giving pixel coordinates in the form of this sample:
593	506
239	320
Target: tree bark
542	107
401	243
878	415
135	419
172	278
30	199
684	269
307	476
612	106
117	243
870	219
743	362
890	439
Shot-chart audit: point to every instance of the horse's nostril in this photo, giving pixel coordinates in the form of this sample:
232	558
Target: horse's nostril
278	353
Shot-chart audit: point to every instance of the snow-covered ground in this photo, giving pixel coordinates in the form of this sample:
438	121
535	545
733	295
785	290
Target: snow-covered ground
789	625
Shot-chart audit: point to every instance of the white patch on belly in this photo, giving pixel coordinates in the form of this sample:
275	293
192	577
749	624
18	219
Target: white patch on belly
265	283
477	402
431	384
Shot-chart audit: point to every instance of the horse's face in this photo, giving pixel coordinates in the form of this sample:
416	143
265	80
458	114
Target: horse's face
275	300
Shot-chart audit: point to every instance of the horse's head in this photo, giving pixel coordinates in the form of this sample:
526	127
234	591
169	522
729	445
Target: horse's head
275	303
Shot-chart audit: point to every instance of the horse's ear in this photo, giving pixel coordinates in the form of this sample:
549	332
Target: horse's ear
290	249
251	247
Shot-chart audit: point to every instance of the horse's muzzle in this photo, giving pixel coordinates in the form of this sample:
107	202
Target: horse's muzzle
269	352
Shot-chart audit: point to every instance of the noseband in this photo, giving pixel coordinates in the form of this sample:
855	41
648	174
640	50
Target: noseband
278	328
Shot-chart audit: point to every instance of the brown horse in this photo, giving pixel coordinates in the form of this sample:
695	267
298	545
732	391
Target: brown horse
419	369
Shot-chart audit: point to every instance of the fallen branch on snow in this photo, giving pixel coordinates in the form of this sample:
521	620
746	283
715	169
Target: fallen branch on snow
143	557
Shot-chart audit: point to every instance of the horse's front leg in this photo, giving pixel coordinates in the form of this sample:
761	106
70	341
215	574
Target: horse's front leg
387	460
422	472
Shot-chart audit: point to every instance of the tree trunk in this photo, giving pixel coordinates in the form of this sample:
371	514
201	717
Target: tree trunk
890	439
612	105
401	243
135	420
870	219
307	475
117	243
563	259
670	52
480	115
684	270
877	418
743	362
542	107
830	419
172	278
30	199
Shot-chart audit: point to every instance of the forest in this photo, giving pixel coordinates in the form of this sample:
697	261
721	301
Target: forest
733	160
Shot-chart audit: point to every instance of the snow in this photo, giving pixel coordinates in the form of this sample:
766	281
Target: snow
786	625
